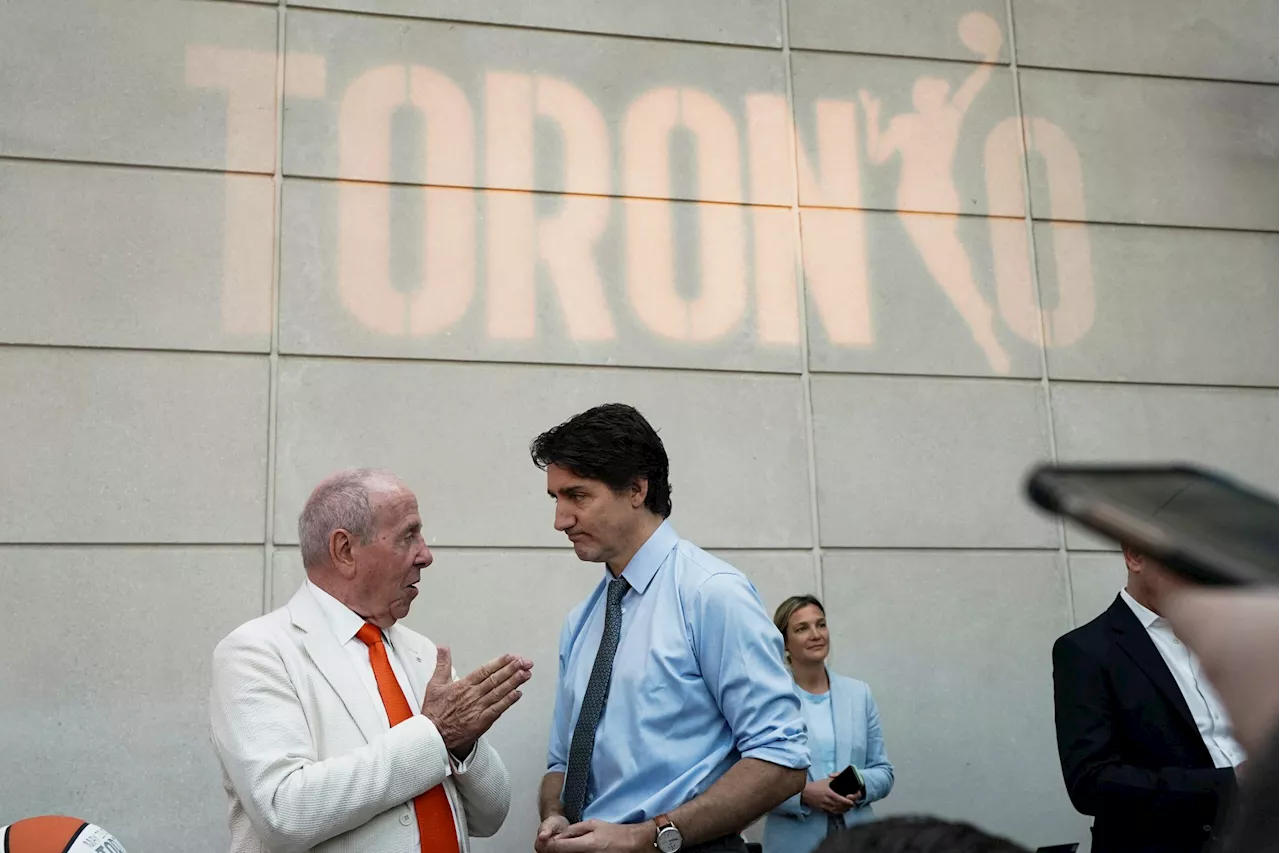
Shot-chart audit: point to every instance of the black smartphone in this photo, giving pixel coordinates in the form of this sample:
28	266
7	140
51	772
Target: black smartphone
849	782
1059	848
1203	525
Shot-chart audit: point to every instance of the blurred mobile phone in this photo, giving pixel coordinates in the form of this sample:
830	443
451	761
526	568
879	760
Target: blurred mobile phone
1202	525
1059	848
849	782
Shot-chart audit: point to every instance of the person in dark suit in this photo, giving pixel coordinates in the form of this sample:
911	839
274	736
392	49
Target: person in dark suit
1145	744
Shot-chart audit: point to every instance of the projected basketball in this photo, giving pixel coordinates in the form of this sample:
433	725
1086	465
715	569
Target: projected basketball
981	34
57	834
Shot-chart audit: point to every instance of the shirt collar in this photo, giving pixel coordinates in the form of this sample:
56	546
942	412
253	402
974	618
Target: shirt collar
1146	615
343	621
645	564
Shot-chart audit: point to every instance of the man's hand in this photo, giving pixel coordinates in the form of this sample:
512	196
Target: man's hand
550	828
596	836
819	796
463	710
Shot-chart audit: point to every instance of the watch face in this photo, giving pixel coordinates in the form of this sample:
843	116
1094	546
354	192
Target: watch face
669	839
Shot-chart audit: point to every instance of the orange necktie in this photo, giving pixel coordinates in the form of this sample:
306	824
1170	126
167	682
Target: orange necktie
436	830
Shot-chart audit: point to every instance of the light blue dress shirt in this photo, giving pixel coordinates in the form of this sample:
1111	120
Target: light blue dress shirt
698	683
822	732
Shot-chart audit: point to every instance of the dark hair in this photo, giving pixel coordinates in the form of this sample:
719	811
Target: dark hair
787	609
916	834
614	444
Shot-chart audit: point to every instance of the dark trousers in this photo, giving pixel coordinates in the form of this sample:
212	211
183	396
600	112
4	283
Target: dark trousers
726	844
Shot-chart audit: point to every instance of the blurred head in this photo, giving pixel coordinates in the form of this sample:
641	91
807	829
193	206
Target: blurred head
803	624
915	835
930	93
361	539
607	471
1149	582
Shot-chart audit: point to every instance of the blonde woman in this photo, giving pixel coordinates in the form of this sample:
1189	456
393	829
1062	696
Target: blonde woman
844	731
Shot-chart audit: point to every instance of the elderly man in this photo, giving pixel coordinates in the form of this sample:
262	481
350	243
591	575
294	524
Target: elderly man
339	729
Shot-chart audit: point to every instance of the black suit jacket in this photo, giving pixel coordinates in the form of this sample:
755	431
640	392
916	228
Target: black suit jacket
1131	753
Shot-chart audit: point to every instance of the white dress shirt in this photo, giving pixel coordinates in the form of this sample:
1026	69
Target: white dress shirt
1206	708
345	623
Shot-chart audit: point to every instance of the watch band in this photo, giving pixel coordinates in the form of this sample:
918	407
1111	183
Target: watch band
667	839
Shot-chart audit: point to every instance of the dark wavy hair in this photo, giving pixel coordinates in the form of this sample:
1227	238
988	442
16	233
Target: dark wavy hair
916	834
614	444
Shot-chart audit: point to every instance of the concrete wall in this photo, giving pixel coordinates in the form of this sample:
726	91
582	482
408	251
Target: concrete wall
243	244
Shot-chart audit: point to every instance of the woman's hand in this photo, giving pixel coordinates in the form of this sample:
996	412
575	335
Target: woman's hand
819	796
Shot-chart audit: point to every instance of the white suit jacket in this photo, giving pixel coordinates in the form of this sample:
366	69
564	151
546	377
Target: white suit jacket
307	760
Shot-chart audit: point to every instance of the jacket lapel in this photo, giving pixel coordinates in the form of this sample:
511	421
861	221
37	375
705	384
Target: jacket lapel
333	662
1136	643
842	722
414	659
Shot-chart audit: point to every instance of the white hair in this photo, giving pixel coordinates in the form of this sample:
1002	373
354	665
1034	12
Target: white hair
340	502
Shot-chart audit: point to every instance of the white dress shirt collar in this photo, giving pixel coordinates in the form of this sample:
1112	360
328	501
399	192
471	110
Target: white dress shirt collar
343	621
1146	615
1206	708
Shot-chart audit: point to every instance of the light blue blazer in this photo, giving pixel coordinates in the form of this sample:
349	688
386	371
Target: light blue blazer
791	827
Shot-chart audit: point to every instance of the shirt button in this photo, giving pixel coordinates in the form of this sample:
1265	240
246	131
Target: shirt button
405	818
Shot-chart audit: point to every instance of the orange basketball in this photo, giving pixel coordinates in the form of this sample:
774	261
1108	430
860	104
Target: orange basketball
57	834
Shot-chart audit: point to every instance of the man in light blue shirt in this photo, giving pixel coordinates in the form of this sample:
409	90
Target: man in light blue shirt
676	722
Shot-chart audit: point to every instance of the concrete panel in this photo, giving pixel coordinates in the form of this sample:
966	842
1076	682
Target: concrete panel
149	81
956	648
132	446
1096	580
753	22
776	575
1150	151
503	276
100	256
106	697
917	293
287	574
922	145
732	440
1180	38
1169	305
1227	429
931	463
414	101
927	29
549	583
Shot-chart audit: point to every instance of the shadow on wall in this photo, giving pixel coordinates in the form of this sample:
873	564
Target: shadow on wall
508	214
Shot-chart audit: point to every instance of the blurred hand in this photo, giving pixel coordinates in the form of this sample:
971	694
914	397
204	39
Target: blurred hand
1234	633
550	828
819	797
596	836
463	710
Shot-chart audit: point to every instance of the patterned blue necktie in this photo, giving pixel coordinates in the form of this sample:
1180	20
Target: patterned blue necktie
584	733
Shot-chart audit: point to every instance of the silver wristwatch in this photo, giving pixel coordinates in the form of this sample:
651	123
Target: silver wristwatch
668	840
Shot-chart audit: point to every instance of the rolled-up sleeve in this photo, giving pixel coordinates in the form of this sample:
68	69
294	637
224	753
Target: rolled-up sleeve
558	748
740	652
